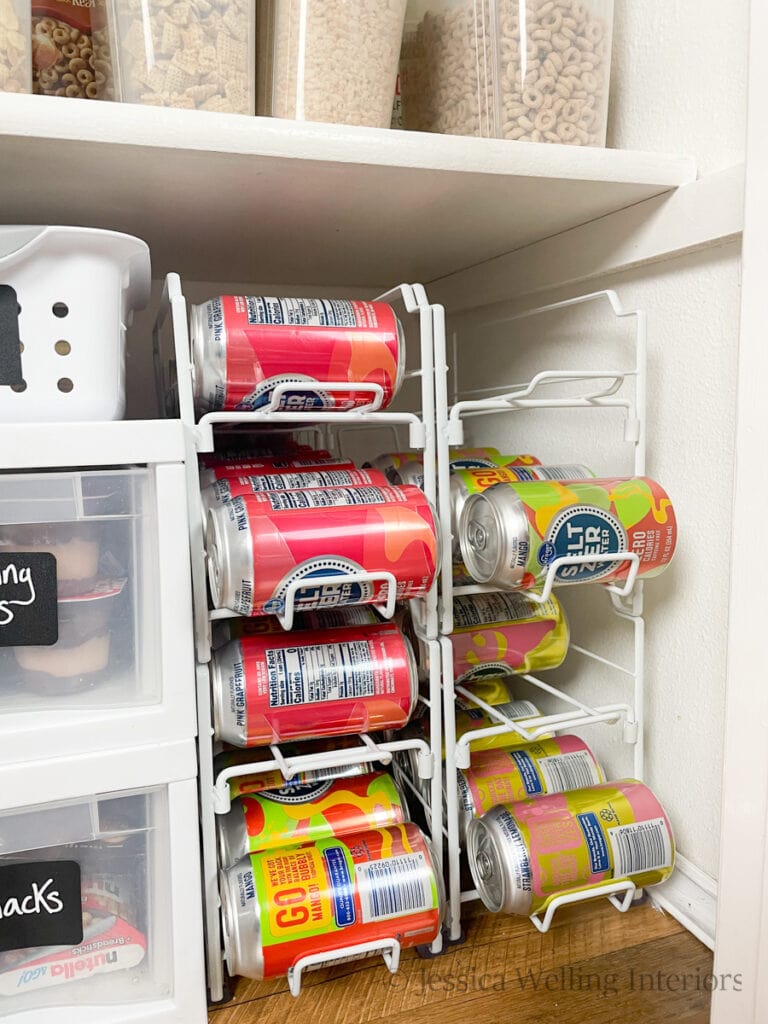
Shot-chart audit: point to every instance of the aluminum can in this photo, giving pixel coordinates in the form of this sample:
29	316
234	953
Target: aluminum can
492	690
255	553
346	615
273	447
258	781
532	769
393	464
511	533
230	487
494	634
465	482
476	719
522	855
243	346
306	812
319	497
318	683
280	905
273	465
224	630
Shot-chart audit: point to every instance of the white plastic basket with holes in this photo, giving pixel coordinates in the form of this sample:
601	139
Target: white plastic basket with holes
67	295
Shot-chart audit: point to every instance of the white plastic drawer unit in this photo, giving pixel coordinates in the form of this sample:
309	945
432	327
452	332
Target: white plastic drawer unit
120	671
113	867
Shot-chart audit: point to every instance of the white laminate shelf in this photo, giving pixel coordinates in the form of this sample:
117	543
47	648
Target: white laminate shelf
114	443
223	197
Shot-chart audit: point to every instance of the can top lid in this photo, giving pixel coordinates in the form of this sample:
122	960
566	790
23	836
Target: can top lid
485	865
239	953
481	531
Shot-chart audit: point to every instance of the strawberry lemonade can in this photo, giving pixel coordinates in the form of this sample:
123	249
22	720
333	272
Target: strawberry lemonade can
524	854
552	765
497	634
256	553
243	346
267	689
511	533
302	813
319	898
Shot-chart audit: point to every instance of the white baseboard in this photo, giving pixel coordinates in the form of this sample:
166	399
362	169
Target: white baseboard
690	896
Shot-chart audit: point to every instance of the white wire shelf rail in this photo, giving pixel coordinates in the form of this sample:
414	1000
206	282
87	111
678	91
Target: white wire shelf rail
581	390
173	378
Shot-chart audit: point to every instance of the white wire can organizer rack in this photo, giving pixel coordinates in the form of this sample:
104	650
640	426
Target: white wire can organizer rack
618	386
338	431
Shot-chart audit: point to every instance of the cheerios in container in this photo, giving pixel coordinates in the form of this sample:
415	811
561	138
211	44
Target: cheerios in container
71	50
527	70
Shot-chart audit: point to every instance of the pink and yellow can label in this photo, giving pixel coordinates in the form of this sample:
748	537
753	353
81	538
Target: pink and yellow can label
528	637
566	842
301	813
596	517
533	769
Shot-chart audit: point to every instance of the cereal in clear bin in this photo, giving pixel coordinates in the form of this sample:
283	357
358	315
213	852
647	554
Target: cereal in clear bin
71	51
193	54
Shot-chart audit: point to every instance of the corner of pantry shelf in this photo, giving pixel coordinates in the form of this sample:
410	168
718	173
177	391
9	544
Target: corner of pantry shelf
224	197
119	442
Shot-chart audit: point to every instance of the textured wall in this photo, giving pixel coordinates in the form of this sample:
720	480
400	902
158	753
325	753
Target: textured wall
679	78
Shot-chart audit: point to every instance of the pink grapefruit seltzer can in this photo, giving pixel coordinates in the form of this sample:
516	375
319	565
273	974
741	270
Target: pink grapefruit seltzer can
245	345
256	551
227	489
524	854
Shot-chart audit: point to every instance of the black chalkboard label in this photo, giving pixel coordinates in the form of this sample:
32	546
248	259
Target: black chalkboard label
40	904
29	614
10	350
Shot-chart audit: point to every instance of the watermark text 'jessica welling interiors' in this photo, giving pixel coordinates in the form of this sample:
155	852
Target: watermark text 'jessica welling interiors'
566	979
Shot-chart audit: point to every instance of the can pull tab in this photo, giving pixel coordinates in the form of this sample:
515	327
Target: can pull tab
10	349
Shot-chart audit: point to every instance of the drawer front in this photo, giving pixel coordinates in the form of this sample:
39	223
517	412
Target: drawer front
138	900
121	669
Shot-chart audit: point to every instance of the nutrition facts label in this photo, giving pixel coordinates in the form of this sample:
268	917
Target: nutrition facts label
309	312
330	496
321	672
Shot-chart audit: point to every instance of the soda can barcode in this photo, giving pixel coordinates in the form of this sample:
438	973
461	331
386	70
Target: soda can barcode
569	771
644	846
391	888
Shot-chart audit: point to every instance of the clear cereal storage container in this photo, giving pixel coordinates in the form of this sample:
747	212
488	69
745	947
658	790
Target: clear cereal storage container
335	60
15	64
193	54
529	70
71	49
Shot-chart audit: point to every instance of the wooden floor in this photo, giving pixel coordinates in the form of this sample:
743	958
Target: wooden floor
595	965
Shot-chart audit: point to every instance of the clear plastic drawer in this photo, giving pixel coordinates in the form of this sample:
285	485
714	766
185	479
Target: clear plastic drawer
123	865
122	609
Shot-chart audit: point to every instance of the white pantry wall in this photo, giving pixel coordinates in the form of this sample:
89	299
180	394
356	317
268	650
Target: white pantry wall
678	79
692	304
